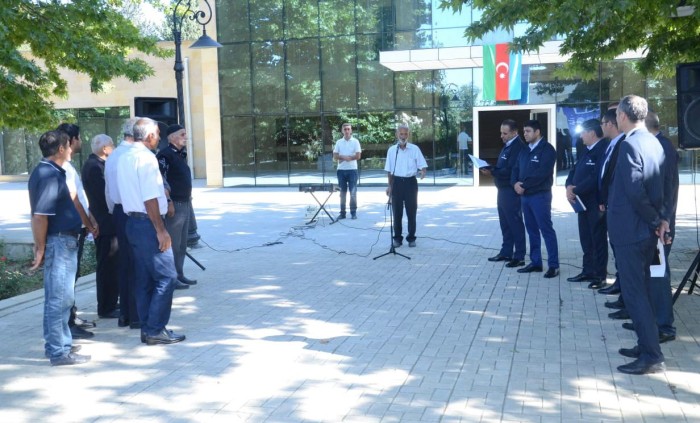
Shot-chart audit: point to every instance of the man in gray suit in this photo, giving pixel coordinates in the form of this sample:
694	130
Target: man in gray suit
636	220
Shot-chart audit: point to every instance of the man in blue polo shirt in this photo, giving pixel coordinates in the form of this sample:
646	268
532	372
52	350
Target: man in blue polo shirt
55	226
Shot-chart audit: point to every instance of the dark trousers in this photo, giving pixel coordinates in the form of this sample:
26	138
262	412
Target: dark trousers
593	234
537	210
106	275
154	273
404	193
347	181
663	298
178	227
81	246
510	217
127	306
633	261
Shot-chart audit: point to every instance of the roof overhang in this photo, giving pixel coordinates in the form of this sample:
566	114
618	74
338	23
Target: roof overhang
468	57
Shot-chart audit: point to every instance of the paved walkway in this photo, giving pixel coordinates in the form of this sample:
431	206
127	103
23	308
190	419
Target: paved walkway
297	323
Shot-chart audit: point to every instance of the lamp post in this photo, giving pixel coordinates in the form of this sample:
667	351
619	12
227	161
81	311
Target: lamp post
183	9
448	94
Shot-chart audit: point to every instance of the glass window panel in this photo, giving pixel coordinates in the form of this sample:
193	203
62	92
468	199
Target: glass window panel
302	18
412	14
232	21
619	79
447	18
310	157
374	16
413	40
449	37
19	151
271	156
339	67
266	19
376	81
661	88
234	78
268	72
414	89
303	82
238	152
337	17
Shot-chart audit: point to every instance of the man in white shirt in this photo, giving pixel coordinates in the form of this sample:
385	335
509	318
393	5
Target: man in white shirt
347	152
144	201
463	141
128	315
403	162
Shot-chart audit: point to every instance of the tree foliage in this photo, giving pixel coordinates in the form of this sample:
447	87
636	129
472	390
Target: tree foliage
595	30
38	38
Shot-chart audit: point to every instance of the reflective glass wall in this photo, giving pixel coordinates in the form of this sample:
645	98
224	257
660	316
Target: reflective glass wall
292	71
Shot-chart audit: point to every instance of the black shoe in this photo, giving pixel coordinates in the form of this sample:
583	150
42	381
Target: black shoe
73	349
186	280
530	268
180	285
515	263
114	314
666	337
134	325
164	337
143	337
79	333
581	277
637	367
628	326
630	352
619	315
85	324
613	289
499	257
340	216
617	304
552	272
70	359
596	283
353	216
122	322
412	244
396	244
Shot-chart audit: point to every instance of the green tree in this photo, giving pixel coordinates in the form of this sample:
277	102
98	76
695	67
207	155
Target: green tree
596	30
38	38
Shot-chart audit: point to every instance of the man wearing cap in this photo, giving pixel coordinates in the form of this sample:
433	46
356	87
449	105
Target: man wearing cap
582	186
172	161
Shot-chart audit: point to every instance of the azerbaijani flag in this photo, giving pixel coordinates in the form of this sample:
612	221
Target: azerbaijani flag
502	72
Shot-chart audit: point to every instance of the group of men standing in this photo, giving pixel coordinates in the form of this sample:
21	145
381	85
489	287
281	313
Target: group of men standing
138	212
624	187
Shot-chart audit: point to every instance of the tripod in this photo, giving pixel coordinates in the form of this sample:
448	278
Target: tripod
691	275
390	206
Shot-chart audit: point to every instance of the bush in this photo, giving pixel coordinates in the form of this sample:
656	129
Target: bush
16	279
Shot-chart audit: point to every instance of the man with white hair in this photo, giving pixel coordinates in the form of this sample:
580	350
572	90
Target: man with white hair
106	281
128	315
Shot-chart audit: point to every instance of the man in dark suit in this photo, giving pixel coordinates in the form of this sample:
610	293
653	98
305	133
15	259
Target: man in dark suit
582	185
636	220
663	302
532	179
93	176
510	214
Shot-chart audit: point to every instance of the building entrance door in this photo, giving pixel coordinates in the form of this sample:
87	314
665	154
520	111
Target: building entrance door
487	129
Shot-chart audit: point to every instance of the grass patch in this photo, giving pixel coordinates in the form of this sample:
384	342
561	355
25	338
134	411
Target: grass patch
16	279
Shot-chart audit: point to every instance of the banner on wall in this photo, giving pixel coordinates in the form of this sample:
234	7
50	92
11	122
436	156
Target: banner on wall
502	73
575	116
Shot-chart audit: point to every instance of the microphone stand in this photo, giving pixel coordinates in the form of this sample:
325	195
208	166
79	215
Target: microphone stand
390	207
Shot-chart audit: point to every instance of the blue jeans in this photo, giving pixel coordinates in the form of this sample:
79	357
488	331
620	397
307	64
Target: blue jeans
154	274
60	264
347	181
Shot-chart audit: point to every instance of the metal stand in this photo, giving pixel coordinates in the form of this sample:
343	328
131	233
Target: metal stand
322	206
692	275
392	250
195	261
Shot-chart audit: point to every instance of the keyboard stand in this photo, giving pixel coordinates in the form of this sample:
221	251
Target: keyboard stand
322	206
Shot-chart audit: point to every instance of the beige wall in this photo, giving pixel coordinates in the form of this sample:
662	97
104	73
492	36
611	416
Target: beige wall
203	85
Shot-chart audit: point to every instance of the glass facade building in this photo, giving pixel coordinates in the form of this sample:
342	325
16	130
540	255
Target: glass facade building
291	71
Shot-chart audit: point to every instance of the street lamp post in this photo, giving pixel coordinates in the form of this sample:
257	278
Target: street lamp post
183	9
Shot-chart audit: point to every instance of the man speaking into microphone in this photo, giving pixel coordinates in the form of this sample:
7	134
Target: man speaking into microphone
404	161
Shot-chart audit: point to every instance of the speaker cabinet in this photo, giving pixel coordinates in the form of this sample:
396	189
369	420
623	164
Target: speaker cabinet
688	88
157	108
